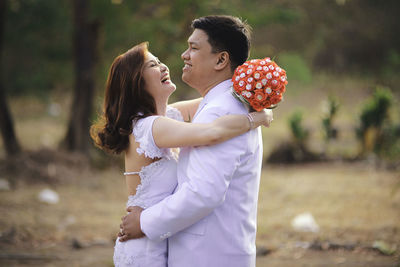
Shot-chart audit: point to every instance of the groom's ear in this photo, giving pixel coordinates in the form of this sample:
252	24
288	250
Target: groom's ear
223	60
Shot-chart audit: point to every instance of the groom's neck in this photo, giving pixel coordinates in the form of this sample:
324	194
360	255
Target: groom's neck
217	80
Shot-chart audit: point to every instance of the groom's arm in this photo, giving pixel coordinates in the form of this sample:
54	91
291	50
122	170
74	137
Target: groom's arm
210	169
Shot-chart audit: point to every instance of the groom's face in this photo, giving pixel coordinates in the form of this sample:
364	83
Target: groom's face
199	61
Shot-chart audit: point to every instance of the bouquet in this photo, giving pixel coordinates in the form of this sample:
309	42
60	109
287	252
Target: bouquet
259	83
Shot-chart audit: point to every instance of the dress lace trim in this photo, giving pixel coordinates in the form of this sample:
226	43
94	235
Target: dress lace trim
143	136
142	131
174	113
122	259
139	199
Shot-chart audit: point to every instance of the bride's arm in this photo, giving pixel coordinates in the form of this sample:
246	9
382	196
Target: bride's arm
187	108
171	133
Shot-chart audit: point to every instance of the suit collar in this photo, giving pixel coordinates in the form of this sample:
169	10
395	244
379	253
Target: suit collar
214	92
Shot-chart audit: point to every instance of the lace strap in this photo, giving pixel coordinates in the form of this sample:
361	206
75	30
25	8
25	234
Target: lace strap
131	173
142	130
174	113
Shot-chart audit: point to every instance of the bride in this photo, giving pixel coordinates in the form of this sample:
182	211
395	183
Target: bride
138	122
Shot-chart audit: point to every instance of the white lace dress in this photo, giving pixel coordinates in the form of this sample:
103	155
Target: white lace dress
158	180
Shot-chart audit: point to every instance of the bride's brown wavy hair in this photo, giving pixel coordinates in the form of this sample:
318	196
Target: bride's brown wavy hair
126	100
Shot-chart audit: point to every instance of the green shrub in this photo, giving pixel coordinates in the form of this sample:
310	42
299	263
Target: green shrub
374	115
390	146
299	133
332	106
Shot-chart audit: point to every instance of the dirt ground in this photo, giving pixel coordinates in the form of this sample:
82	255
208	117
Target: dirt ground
354	205
101	256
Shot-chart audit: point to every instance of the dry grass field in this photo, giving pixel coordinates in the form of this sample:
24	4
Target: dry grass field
353	204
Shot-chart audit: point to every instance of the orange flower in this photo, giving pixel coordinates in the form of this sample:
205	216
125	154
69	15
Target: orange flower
259	95
261	81
256	105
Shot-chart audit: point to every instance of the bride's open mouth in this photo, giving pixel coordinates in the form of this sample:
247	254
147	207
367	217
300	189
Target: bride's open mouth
166	79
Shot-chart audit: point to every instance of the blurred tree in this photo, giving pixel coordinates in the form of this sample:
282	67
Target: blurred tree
37	47
85	46
6	123
321	35
355	35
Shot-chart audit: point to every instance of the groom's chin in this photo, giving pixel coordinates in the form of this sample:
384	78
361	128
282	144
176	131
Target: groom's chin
185	78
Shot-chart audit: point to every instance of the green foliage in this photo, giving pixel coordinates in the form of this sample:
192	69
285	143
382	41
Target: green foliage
37	53
376	109
295	66
392	66
374	114
390	145
37	46
299	133
263	16
332	107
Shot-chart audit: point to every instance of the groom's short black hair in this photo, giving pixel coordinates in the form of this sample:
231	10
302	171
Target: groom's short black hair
227	33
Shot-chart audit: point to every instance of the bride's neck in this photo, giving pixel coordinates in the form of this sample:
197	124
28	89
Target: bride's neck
161	107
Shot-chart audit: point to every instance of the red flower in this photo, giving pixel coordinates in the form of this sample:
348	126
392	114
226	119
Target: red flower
257	105
261	81
259	95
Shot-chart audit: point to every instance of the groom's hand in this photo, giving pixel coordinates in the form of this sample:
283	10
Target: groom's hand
130	226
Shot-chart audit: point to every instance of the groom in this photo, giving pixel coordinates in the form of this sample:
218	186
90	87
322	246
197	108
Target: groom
210	220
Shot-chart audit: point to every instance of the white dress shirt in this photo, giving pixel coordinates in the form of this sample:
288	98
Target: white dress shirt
211	218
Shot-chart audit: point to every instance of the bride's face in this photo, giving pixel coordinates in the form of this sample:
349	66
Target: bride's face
156	77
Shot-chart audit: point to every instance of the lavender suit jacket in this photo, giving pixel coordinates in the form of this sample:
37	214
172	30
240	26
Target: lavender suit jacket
211	218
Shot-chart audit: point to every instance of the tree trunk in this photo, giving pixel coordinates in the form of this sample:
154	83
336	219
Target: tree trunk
85	47
6	123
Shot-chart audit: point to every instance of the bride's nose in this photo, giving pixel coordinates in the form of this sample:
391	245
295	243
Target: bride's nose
164	67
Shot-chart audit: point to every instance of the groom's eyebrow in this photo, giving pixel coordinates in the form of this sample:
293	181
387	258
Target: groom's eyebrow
193	43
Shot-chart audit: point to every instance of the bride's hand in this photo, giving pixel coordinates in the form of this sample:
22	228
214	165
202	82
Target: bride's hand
263	117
